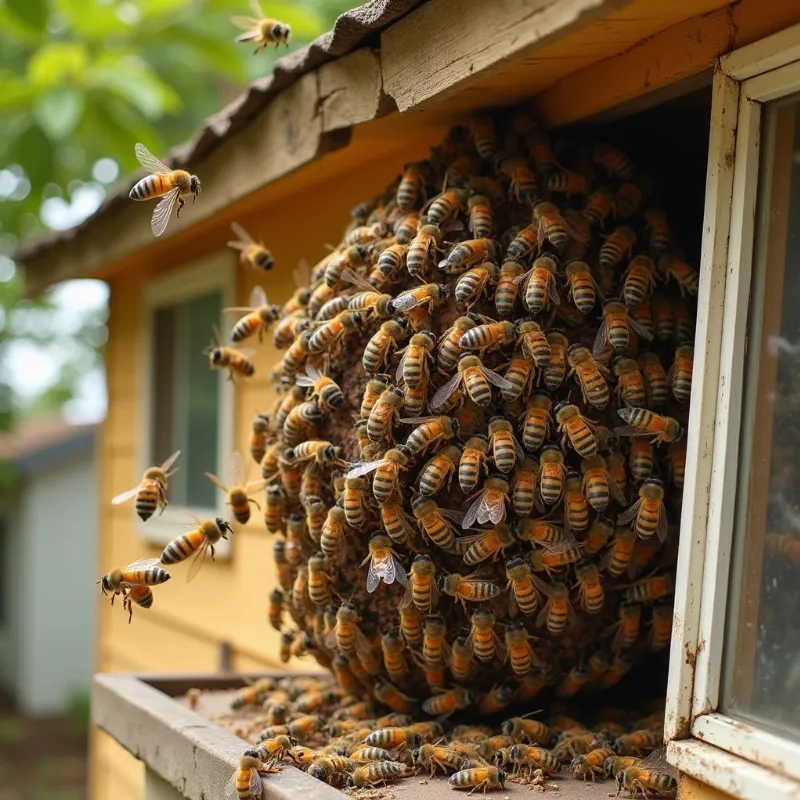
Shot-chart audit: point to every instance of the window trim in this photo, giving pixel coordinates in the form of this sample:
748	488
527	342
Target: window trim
734	756
216	272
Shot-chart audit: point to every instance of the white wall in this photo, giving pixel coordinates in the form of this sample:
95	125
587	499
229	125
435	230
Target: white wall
54	594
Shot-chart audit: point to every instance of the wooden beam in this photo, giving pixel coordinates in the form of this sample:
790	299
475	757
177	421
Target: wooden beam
351	90
673	55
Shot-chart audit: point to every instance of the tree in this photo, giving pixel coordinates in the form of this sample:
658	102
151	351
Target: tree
80	82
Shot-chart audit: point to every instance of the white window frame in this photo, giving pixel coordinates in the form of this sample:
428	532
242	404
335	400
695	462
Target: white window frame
217	272
736	757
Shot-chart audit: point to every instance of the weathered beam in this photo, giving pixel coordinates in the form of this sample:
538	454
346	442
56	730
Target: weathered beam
351	90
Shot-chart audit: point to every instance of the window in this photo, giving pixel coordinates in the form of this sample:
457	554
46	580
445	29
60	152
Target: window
187	403
733	714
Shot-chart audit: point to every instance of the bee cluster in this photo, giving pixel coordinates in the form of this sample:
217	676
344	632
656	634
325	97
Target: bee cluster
313	724
483	400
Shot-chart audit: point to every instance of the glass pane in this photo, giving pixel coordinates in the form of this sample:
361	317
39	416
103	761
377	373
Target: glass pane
186	397
761	680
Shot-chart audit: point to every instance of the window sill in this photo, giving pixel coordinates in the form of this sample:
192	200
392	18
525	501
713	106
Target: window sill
729	773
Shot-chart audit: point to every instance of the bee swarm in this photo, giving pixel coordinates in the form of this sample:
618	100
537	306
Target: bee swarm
541	314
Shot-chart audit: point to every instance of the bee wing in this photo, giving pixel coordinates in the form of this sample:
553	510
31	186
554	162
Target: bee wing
246	24
614	489
245	352
497	380
353	277
445	392
313	372
170	461
238	469
258	297
163	211
555	298
661	528
642	331
399	372
330	639
417	420
148	160
304	380
573	231
524	277
230	786
125	496
142	563
496	509
197	561
255	7
626	516
365	468
405	301
244	236
561	546
518	448
472	512
541	617
600	339
629	430
571	616
449	513
216	481
657	760
542	586
255	784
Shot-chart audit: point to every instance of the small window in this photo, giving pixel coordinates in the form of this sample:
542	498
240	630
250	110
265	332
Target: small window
762	661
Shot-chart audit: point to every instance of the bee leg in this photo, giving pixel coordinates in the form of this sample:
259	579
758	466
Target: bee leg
181	204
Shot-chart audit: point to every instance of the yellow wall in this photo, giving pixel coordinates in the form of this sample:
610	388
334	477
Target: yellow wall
183	630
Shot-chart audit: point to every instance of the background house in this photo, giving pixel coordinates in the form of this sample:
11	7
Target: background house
48	545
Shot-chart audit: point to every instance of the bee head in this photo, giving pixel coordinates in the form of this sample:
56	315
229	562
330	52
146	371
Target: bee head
194	185
105	584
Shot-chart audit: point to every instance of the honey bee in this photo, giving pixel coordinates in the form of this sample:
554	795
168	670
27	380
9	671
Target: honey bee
372	391
488	504
670	266
428	296
524	587
251	253
421	592
396	522
376	772
331	333
583	288
642	422
568	182
448	702
619	243
200	540
489	336
522	755
262	31
355	502
576	429
618	558
639	281
557	612
383	563
496	699
630	383
550	480
240	490
346	636
507	289
537	420
680	373
471	588
324	390
475	283
553	227
411	189
438	471
523	494
613	161
431	756
598	206
651	589
430	432
237	362
422	250
524	185
133	583
295	356
520	375
461	659
365	754
615	330
416	357
468	254
449	344
475	378
482	637
394	661
171	185
519	650
275	608
627	628
274	507
245	783
385	414
394	738
484	778
676	456
600	532
642	459
259	315
434	522
650	775
592	764
406	227
657	383
479	209
387	473
540	285
524	729
576	508
319	581
660	627
556	369
151	492
599	485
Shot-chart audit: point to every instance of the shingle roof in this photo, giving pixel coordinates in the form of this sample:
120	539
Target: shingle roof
353	29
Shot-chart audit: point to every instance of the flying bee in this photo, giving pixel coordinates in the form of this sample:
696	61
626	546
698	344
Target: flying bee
251	253
133	583
471	588
556	370
332	332
550	480
489	336
411	189
642	422
475	283
237	362
488	504
583	288
576	509
648	511
479	209
576	429
428	296
507	289
429	432
506	450
438	471
619	243
416	358
557	612
324	390
474	461
450	343
383	563
422	250
687	277
599	485
239	492
387	473
540	285
468	254
431	756
536	421
616	328
171	185
524	185
680	373
384	414
518	649
151	492
620	552
483	778
630	382
482	636
639	281
264	32
435	523
259	315
598	206
346	636
200	540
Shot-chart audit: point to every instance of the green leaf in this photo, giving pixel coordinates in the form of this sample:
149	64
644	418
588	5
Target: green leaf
91	21
32	12
57	63
34	151
58	112
15	93
136	82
